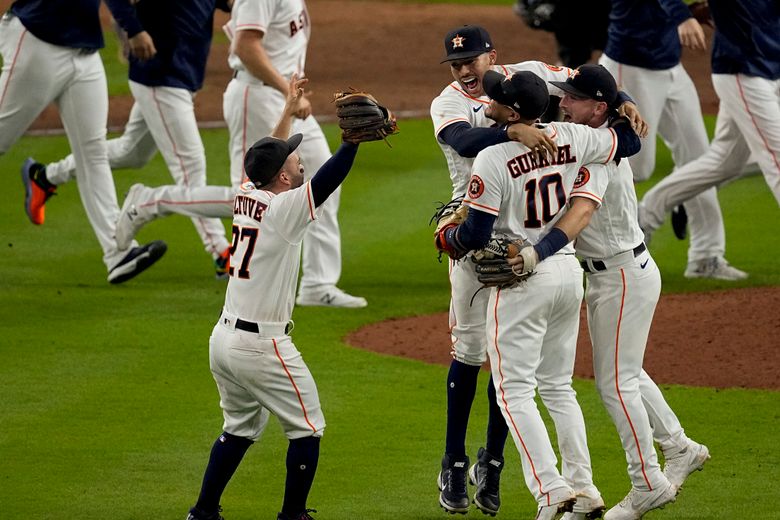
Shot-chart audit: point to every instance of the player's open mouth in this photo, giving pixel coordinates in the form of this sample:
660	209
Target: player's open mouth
471	83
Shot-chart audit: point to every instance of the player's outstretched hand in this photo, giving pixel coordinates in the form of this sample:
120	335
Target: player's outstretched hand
692	35
295	95
631	112
142	46
534	138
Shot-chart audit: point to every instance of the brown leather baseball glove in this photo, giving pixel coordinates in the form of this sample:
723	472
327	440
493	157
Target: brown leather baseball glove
362	118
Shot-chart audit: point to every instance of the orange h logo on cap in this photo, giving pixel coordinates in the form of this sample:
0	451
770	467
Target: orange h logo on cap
458	41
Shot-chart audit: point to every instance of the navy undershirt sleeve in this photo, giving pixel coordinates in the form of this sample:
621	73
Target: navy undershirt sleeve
124	14
628	142
468	141
475	231
332	173
622	97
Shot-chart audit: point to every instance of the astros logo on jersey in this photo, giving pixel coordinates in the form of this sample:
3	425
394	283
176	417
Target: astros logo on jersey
458	41
582	178
476	187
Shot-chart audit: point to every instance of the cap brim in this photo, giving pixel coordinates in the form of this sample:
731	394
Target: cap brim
464	55
566	87
294	141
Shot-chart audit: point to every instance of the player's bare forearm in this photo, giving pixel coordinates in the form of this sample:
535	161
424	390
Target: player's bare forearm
248	46
291	106
577	216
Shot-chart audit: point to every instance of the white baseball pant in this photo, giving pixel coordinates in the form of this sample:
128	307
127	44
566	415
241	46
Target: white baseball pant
748	123
468	306
133	149
251	112
261	373
669	103
36	73
203	201
532	338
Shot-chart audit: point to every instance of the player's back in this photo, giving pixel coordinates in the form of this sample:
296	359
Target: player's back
527	190
265	252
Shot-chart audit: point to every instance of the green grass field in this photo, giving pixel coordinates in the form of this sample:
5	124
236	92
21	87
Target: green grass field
109	409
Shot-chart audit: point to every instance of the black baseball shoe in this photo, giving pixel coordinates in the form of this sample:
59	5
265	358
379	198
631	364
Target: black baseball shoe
486	475
302	516
137	261
680	222
453	497
197	514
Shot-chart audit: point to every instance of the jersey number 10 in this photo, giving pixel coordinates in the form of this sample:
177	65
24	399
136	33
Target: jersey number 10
542	186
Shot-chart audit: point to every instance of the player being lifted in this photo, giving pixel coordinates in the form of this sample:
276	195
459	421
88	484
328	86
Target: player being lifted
518	192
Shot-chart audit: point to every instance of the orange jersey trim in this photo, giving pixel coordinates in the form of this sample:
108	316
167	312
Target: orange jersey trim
470	97
588	195
310	199
447	123
477	205
614	146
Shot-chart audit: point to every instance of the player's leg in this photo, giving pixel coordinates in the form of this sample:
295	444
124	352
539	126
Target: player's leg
467	329
485	474
554	379
621	304
170	116
288	391
648	88
133	149
144	204
682	127
244	422
721	162
517	320
235	110
754	105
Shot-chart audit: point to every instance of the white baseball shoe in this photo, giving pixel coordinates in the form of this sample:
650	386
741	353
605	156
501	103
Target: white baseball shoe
637	502
564	500
136	261
715	267
692	458
132	216
586	508
330	296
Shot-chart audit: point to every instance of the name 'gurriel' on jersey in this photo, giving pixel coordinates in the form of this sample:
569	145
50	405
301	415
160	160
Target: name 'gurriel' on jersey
529	161
250	207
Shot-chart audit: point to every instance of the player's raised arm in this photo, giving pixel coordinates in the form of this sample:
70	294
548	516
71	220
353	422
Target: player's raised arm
291	106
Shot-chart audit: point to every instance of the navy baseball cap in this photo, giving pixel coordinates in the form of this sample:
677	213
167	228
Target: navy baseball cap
590	82
524	92
468	41
265	158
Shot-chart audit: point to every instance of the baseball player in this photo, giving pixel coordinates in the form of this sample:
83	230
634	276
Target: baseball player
50	55
462	130
269	40
163	115
623	286
256	366
746	77
519	192
643	54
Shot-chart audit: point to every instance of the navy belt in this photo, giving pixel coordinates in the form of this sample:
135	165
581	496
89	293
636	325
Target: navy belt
248	326
598	265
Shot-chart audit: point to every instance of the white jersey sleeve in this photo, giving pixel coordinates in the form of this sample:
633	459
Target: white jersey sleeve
592	181
285	27
591	145
544	70
486	188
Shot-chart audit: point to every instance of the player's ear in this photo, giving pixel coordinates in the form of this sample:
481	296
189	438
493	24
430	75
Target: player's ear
492	55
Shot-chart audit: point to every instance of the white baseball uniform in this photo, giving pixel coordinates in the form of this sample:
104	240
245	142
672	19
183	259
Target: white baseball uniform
532	328
36	73
670	106
161	118
453	105
252	109
254	362
623	287
748	122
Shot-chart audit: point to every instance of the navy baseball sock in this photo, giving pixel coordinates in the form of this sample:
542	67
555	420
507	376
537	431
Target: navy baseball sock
226	455
461	388
497	429
302	457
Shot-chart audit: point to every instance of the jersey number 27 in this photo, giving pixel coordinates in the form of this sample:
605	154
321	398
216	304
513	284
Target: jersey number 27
239	234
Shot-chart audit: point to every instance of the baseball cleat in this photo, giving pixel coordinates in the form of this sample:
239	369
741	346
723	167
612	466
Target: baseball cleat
302	516
136	261
222	265
132	217
486	475
35	196
716	267
586	508
329	297
637	502
451	481
556	509
197	514
692	458
680	222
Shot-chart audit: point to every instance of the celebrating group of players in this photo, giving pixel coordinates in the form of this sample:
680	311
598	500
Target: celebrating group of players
558	188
